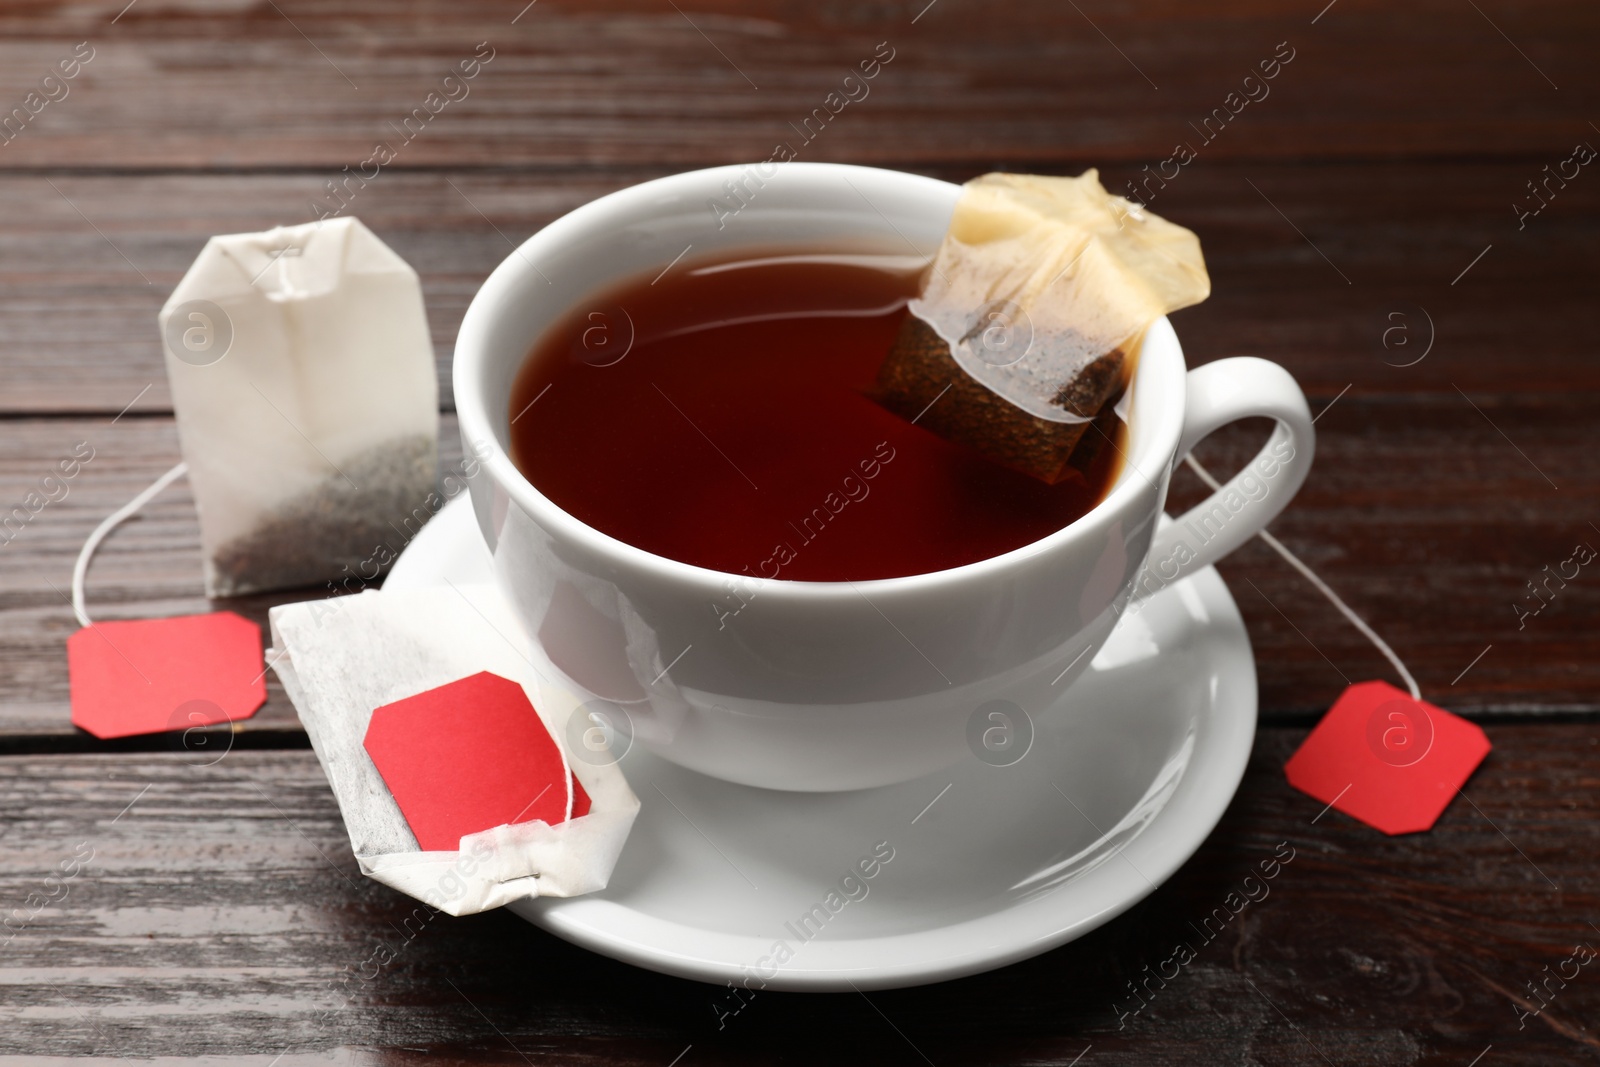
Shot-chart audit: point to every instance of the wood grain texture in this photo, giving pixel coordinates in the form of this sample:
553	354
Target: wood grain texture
222	912
1361	216
1423	516
637	81
77	316
149	567
91	260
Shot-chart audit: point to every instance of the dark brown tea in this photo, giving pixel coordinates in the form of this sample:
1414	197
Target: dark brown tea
721	415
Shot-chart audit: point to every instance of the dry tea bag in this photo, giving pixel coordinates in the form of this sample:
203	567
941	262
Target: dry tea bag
303	379
1030	317
349	663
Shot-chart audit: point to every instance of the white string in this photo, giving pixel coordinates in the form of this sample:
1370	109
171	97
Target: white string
1294	561
80	570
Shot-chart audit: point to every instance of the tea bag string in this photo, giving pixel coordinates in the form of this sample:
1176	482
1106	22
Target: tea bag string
1311	576
80	569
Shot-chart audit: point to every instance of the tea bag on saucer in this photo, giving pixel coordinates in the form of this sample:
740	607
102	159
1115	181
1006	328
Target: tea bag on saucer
395	691
1031	315
303	380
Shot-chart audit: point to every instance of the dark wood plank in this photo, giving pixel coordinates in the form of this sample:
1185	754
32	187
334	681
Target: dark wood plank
151	566
631	81
1371	199
221	914
77	317
79	293
1421	515
1430	523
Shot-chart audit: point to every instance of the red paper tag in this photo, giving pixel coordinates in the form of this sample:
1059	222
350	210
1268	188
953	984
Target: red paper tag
470	756
144	676
1386	759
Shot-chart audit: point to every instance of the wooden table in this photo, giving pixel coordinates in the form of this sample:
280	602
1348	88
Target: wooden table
1364	224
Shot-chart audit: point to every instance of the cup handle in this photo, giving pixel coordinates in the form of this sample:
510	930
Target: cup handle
1219	393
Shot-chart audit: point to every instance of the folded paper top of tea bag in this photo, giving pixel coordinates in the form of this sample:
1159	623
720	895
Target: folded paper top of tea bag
294	262
1070	271
436	664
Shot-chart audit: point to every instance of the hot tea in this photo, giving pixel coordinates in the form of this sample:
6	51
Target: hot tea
723	414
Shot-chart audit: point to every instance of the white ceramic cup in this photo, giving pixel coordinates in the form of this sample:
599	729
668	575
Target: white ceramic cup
829	685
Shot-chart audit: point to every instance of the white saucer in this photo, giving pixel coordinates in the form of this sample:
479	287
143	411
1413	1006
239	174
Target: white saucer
1126	776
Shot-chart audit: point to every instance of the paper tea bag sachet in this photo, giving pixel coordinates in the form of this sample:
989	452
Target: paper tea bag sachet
1031	315
403	694
303	380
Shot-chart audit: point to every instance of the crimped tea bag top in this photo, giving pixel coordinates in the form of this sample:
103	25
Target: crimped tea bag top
303	380
1030	313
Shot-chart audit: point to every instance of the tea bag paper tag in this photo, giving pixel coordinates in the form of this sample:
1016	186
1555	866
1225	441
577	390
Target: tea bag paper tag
422	651
469	756
145	676
1386	759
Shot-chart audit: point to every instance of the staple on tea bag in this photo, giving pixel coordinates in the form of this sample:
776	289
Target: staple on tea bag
1031	313
303	380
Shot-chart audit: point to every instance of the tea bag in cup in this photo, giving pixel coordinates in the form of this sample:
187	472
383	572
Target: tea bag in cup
1024	334
303	380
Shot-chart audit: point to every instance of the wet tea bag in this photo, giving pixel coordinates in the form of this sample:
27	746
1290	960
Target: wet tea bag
1030	317
302	376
